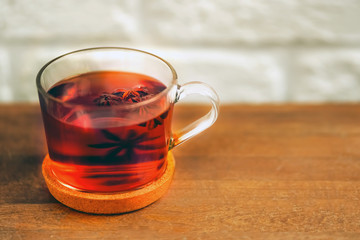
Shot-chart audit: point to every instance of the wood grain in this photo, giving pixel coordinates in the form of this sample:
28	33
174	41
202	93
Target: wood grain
261	172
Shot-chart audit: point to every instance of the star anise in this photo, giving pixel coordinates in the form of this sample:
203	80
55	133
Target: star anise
107	99
126	146
153	123
134	95
137	94
123	95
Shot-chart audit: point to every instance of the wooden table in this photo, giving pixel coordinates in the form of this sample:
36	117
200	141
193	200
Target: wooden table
271	172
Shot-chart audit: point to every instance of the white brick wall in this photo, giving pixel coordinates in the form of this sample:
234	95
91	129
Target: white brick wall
253	21
5	81
249	50
327	75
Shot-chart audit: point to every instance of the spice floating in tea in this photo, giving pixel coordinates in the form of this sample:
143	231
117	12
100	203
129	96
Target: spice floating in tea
121	95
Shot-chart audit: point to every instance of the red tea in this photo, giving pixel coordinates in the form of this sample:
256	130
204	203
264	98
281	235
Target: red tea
99	138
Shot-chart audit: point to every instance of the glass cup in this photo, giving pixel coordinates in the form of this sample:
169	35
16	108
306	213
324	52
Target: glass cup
112	148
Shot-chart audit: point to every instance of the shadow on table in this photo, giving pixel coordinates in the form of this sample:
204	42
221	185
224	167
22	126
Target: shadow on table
22	181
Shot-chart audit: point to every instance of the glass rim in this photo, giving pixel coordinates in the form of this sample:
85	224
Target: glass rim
41	89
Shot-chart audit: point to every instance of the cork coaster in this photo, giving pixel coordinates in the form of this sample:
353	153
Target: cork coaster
108	203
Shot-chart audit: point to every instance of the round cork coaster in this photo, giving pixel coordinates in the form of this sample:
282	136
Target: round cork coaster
108	203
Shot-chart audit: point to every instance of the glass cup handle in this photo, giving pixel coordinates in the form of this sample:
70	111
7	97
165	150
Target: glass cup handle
202	123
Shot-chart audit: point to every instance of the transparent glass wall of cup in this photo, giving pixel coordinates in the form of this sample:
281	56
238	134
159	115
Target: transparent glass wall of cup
112	148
